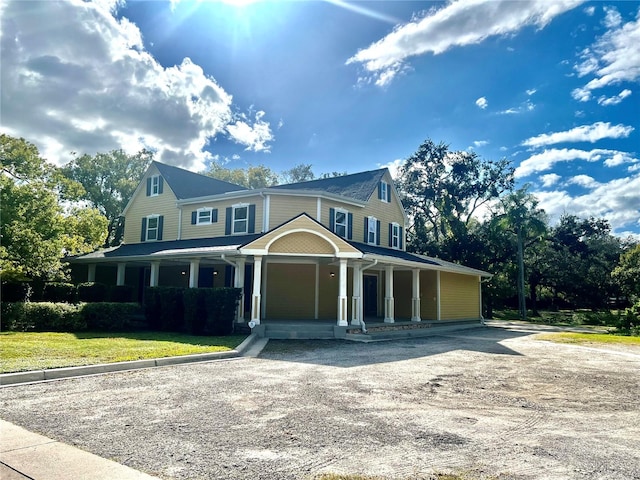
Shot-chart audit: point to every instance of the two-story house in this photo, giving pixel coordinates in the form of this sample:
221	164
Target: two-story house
324	249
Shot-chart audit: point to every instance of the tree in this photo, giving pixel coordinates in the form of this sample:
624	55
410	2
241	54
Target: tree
442	191
627	273
299	173
253	177
34	230
109	180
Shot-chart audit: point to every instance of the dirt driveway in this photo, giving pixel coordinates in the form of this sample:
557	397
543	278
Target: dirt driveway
488	402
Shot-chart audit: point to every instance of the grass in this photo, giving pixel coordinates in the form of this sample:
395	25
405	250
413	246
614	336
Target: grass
24	351
589	338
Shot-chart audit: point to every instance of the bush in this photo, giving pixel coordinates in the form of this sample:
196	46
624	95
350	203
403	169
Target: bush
195	310
112	317
12	316
604	318
629	322
15	291
59	292
92	292
221	308
53	317
121	294
164	308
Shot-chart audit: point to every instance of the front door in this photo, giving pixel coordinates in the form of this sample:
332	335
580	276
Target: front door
370	296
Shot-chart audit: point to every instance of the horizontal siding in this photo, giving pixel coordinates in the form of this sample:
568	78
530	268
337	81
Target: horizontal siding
301	243
142	206
217	229
284	208
428	295
290	292
459	296
385	212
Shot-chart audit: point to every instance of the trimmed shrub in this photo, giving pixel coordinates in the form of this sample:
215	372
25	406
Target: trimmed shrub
151	307
195	310
112	317
12	317
164	308
59	292
15	291
92	292
53	317
121	294
221	308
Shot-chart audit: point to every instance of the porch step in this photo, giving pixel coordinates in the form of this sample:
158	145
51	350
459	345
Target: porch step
282	331
379	334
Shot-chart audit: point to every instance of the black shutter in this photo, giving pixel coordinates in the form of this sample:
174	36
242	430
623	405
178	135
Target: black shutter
252	219
366	229
143	233
332	219
349	226
400	240
148	186
214	215
389	192
194	218
160	225
379	190
160	185
227	221
378	232
391	234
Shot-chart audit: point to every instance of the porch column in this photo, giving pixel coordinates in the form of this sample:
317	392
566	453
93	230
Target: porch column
194	272
256	297
238	282
356	301
155	273
438	295
120	274
342	294
91	272
415	300
388	295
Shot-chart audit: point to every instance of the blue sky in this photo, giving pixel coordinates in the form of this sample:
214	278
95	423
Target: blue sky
345	86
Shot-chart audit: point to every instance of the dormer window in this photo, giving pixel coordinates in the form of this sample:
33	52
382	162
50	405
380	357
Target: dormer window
372	230
240	219
384	191
341	221
204	216
395	236
154	185
151	228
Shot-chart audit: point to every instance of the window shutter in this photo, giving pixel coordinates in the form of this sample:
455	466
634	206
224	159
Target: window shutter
332	219
391	234
400	240
252	219
214	215
160	224
227	221
149	187
366	229
194	218
350	226
389	193
143	233
160	184
378	222
379	190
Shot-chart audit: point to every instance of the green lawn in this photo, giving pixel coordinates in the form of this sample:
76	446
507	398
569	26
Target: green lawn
589	338
20	351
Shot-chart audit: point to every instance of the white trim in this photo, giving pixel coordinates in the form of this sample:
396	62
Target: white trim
346	222
233	218
179	223
373	221
204	209
395	225
157	229
438	311
319	210
386	190
266	208
336	250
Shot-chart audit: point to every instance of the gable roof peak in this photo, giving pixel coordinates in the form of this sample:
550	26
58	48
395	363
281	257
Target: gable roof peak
187	184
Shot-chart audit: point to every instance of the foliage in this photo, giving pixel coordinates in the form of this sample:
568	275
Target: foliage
34	351
35	231
112	317
121	293
299	173
588	338
252	177
50	317
59	292
15	291
92	292
109	180
627	273
629	322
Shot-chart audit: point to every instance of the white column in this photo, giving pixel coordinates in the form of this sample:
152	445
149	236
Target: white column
91	272
415	300
356	300
388	295
342	294
438	295
238	282
256	296
194	272
155	273
120	274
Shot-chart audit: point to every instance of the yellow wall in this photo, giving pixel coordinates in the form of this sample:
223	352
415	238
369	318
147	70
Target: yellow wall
385	212
301	243
284	208
459	296
217	229
290	291
142	206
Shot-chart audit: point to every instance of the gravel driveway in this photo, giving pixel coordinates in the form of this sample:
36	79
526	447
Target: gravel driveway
489	403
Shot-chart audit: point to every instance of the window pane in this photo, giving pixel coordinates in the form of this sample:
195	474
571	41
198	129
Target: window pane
204	216
341	230
240	226
241	213
152	234
152	222
341	218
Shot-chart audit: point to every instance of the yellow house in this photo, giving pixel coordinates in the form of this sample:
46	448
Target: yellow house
329	249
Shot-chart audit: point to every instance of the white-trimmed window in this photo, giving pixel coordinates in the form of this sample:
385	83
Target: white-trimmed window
396	232
204	216
384	193
341	226
240	222
372	231
155	185
153	228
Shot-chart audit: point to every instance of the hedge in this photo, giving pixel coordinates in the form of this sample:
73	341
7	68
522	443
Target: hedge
59	292
92	292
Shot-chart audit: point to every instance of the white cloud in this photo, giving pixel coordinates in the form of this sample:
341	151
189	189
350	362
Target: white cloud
531	91
585	133
393	166
480	143
541	162
85	83
612	17
550	179
615	100
456	24
482	103
590	10
583	181
614	58
617	200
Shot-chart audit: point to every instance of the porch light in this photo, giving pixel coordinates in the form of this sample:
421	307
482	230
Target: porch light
183	272
332	274
215	272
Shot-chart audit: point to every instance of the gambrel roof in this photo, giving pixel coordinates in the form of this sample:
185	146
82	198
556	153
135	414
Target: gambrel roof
186	184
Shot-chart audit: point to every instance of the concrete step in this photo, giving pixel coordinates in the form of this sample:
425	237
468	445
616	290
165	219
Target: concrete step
384	335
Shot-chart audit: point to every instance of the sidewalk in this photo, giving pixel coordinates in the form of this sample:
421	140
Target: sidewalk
27	455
